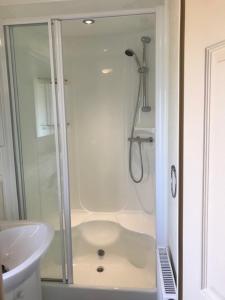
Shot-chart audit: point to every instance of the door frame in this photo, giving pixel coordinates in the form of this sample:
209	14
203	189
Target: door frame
181	149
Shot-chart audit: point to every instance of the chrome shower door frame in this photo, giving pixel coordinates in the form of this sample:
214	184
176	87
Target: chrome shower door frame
13	92
55	42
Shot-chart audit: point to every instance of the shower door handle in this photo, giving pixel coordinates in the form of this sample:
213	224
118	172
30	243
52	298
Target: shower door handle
139	139
173	174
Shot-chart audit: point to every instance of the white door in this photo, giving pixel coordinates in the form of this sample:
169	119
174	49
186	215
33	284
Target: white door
204	151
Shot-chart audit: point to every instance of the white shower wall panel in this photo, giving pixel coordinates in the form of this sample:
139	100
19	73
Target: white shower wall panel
100	111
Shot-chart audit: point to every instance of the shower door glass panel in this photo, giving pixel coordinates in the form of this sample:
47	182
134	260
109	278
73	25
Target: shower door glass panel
35	128
113	219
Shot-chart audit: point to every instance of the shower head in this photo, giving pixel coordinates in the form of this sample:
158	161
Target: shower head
146	39
130	52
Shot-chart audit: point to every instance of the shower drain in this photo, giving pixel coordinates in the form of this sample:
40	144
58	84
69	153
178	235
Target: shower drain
101	252
100	269
4	269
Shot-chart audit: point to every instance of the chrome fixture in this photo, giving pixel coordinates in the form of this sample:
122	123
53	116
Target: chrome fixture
130	52
100	269
140	140
145	40
173	175
101	252
143	70
141	97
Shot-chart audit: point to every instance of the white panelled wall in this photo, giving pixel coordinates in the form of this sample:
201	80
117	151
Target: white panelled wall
100	112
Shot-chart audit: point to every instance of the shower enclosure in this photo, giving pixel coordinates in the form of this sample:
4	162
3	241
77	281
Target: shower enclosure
87	137
110	214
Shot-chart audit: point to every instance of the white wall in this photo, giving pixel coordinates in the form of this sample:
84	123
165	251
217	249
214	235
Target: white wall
173	38
101	108
100	114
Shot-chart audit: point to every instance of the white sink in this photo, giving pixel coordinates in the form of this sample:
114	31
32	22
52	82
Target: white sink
21	248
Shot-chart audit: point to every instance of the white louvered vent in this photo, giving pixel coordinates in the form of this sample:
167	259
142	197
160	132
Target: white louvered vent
166	277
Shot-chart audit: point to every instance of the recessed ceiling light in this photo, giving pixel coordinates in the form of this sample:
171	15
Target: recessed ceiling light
106	71
88	21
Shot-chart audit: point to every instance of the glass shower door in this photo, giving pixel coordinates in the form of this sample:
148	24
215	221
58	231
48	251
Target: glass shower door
113	218
35	129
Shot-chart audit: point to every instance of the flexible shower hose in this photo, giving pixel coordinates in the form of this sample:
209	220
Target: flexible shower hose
136	180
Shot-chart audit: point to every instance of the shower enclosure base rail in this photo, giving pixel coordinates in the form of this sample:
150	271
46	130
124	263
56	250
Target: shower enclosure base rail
70	292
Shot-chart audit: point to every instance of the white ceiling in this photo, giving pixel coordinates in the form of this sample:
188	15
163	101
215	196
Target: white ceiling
41	8
19	2
109	26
